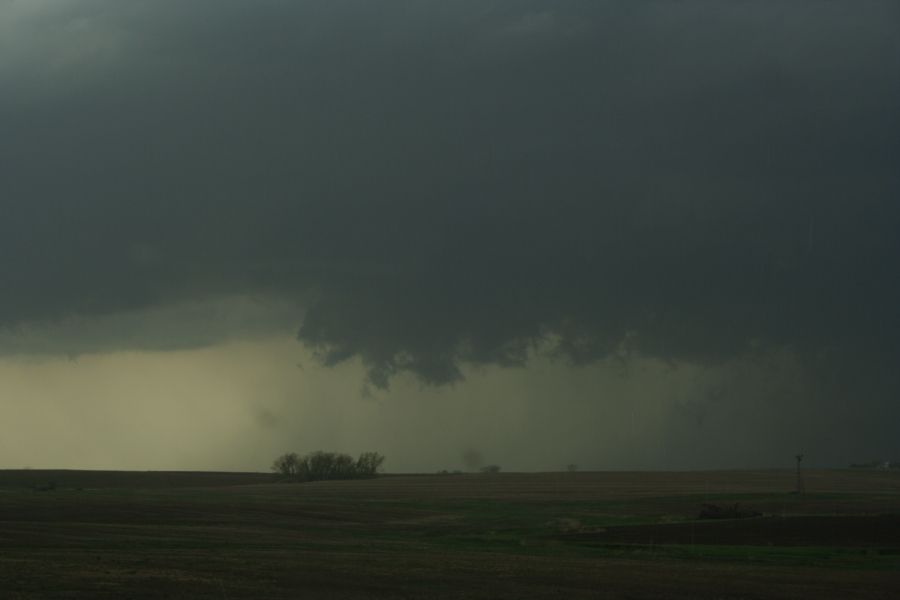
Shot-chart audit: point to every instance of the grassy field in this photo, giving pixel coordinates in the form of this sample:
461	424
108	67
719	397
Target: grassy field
551	535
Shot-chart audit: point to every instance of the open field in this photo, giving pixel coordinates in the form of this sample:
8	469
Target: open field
552	535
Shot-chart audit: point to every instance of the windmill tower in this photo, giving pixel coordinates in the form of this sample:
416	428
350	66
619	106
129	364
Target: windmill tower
800	487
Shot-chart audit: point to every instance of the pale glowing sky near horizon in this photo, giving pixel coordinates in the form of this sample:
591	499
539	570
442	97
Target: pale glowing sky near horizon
236	406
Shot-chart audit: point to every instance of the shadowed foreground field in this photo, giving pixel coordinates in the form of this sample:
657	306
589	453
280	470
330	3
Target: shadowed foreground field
554	535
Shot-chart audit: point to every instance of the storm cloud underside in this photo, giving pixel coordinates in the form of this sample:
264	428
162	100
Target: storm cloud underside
441	184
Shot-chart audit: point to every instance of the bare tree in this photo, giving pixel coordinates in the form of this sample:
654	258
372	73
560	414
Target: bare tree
287	465
322	465
368	463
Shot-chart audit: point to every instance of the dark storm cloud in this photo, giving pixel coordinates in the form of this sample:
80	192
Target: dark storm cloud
451	182
170	326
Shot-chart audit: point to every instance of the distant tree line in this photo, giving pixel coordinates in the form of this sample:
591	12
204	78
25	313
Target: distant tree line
319	466
877	464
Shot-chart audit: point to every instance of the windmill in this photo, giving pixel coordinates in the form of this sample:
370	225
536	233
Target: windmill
800	488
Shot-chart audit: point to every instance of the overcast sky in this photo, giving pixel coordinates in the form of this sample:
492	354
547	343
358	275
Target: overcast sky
625	234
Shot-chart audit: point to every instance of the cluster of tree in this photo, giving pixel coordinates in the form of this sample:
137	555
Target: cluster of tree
318	466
